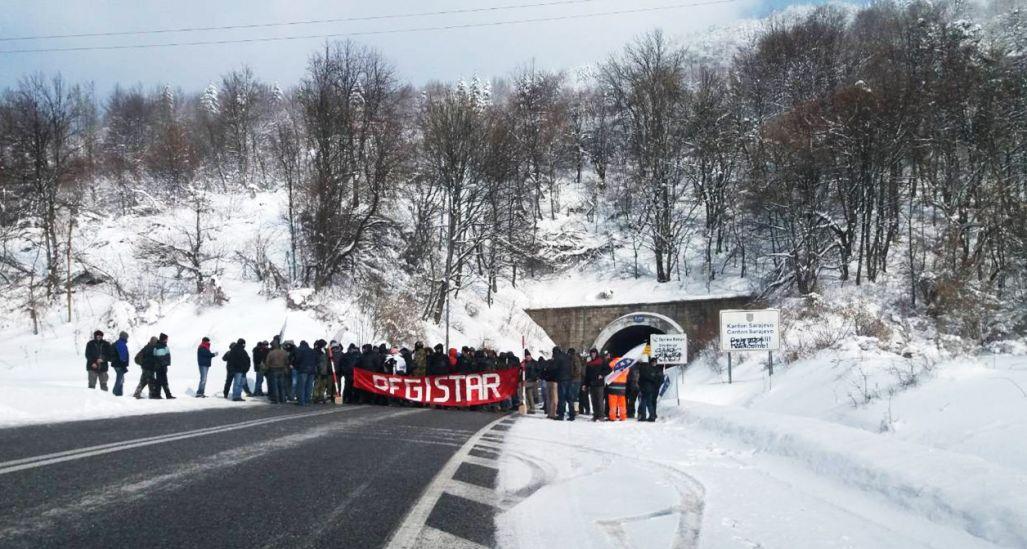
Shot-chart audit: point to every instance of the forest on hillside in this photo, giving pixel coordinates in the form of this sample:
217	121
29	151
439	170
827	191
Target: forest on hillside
836	146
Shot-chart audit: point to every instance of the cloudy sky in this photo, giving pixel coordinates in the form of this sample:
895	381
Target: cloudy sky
419	56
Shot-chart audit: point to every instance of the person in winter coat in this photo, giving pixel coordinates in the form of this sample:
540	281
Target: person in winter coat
203	358
566	391
616	390
260	352
230	372
650	378
438	362
98	353
306	368
631	393
277	364
161	363
596	371
349	361
119	361
573	391
420	360
323	378
238	365
529	385
144	358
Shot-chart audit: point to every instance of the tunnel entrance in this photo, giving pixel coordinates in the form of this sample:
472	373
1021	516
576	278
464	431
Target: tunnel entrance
633	329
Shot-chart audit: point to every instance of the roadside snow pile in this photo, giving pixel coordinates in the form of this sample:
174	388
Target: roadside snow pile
987	500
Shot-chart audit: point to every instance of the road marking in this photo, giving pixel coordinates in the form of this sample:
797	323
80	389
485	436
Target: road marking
433	537
410	530
82	453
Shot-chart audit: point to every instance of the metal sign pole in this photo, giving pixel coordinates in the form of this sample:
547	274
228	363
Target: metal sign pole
770	362
729	367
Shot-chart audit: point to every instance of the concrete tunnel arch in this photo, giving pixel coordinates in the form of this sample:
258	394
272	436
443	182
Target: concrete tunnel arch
632	329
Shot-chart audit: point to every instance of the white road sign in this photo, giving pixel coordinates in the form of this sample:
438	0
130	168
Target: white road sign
756	330
669	348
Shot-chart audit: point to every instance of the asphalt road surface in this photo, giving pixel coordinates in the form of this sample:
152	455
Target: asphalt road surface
268	476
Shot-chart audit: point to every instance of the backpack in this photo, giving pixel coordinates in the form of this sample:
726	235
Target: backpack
140	355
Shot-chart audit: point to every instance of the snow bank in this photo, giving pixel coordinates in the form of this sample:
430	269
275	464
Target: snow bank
986	500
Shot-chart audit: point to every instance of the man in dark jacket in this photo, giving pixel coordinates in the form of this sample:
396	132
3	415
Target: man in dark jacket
438	362
119	361
98	352
306	370
144	358
567	391
259	354
203	357
631	391
650	378
161	362
230	373
596	371
349	361
238	365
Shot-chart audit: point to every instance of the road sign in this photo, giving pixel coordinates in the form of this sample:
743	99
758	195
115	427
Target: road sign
755	330
669	348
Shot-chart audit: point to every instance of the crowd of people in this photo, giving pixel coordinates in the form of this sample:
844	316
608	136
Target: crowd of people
562	386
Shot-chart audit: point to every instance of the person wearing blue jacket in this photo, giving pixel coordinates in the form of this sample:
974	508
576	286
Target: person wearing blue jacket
119	360
306	370
203	356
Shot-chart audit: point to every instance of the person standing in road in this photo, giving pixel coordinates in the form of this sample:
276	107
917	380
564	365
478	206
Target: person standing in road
259	355
98	352
277	363
650	378
161	362
144	358
530	384
306	369
238	365
561	386
203	357
119	360
596	371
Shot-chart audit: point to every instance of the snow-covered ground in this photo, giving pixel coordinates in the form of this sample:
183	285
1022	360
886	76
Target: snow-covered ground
771	466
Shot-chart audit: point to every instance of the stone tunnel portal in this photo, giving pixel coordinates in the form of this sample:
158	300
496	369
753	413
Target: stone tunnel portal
633	329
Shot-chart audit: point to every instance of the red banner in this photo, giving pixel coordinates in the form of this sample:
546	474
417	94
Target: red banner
449	390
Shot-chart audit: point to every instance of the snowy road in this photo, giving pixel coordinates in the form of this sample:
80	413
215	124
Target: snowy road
675	485
253	476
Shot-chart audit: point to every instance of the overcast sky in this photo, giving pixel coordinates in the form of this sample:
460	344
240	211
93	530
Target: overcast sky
418	56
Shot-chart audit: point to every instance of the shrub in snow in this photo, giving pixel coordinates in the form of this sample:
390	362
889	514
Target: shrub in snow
119	315
605	294
299	298
472	309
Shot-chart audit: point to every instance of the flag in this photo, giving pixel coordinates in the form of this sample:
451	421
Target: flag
625	362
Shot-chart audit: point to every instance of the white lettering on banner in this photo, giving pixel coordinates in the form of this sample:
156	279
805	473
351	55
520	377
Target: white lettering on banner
491	384
470	387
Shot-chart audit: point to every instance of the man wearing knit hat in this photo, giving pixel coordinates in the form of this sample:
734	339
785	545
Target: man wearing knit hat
98	352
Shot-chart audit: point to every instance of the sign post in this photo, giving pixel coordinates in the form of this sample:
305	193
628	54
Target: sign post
670	350
748	331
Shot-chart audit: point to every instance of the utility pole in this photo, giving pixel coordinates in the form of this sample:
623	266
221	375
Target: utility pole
71	226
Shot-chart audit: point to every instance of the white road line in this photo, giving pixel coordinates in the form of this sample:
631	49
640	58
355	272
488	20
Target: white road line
473	492
433	537
82	453
407	534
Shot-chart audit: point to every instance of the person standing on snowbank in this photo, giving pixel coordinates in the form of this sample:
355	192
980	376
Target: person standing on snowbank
161	362
98	352
203	357
119	361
